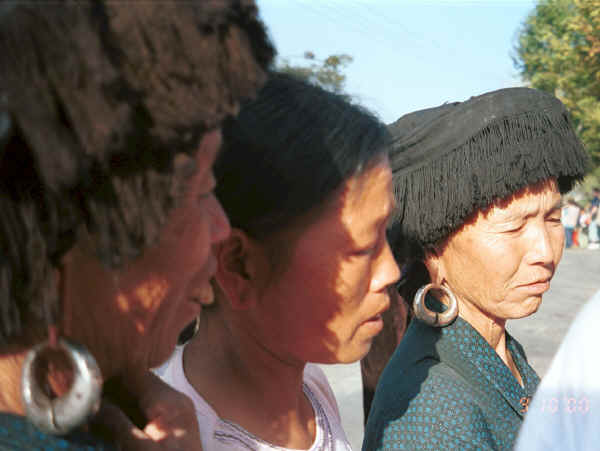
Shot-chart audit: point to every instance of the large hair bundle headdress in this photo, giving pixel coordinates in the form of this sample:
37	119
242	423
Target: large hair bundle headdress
97	99
457	158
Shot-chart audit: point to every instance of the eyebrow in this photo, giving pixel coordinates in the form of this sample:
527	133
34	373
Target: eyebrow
390	213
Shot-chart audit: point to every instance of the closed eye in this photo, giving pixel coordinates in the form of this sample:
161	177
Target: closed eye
514	229
365	252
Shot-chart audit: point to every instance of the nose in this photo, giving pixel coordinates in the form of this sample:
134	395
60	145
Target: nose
387	272
543	245
219	225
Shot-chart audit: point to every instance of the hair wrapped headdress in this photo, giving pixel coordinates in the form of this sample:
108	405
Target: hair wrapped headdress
452	160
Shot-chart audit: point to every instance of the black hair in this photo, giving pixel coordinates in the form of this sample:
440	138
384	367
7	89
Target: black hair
288	150
96	100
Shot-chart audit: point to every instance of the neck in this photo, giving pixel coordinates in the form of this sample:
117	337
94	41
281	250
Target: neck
492	329
247	383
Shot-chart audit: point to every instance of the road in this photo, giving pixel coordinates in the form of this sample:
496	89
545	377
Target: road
575	281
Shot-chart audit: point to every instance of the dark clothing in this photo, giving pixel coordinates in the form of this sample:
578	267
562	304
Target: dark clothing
16	433
446	388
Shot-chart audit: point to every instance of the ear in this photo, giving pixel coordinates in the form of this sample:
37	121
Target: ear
435	266
241	263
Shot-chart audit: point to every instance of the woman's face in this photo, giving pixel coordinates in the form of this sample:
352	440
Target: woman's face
501	262
132	316
324	303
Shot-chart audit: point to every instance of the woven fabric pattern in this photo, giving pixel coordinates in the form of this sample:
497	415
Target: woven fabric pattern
16	433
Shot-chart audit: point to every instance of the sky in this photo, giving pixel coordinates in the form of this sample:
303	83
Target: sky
408	54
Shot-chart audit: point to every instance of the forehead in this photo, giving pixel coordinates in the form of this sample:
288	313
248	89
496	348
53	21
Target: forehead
538	198
367	198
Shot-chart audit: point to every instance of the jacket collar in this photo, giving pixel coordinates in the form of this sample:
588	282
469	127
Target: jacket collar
462	348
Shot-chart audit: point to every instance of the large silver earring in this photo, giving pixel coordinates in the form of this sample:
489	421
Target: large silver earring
430	317
60	415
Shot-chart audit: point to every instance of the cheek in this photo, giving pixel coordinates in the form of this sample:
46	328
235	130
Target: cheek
482	265
190	243
557	239
355	277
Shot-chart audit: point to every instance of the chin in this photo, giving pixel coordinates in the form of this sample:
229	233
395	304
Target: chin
355	354
528	307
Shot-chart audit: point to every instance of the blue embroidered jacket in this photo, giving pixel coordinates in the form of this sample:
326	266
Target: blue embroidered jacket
16	433
446	388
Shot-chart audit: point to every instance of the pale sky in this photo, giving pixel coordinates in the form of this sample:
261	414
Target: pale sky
408	54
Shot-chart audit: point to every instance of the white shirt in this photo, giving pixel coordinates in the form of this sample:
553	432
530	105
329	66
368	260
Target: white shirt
569	215
218	434
565	411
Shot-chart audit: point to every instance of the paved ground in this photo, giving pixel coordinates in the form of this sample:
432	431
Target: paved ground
577	278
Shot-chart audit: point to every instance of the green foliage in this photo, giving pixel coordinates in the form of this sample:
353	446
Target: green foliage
558	51
327	73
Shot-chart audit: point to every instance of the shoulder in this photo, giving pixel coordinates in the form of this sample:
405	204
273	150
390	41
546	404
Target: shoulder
318	385
172	373
435	408
323	400
316	379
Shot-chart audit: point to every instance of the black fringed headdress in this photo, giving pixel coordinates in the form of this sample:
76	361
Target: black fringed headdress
452	160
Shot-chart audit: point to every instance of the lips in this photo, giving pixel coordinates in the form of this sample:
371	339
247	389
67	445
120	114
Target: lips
537	287
375	322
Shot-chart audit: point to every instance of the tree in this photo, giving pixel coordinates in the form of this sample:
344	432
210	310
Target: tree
558	51
326	73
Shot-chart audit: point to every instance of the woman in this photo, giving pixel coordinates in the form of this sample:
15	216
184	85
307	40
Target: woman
109	128
303	277
479	187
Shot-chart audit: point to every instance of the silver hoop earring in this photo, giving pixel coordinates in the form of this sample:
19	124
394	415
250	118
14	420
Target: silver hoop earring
430	317
60	415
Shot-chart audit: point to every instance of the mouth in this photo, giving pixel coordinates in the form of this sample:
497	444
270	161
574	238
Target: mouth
537	287
374	324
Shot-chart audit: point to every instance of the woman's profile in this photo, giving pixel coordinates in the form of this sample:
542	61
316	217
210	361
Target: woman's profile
303	278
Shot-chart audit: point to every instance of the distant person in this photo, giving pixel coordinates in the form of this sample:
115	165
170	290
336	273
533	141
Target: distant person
594	238
564	414
304	277
110	116
478	186
570	219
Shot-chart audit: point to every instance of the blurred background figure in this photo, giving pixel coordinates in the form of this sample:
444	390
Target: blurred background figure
594	238
570	220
